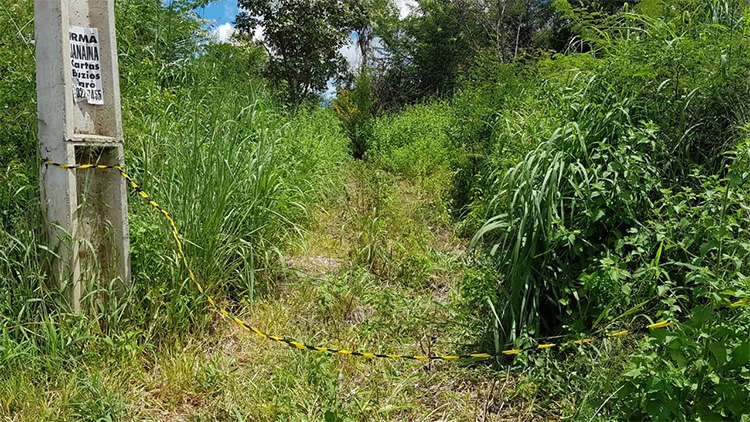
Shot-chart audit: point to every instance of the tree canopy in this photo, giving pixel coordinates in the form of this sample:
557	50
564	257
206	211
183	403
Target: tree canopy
303	39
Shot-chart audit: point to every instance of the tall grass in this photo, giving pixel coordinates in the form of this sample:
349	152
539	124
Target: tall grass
237	178
685	69
592	177
207	141
417	144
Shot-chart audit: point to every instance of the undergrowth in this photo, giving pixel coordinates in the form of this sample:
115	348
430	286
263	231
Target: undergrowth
605	188
602	189
214	148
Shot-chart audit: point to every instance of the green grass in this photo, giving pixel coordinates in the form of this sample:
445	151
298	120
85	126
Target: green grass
225	373
417	144
598	186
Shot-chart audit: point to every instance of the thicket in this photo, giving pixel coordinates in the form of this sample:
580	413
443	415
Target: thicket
604	185
207	140
604	189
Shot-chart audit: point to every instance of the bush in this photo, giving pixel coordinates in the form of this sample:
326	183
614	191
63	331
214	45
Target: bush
416	144
559	208
617	145
498	117
685	69
697	371
629	208
355	109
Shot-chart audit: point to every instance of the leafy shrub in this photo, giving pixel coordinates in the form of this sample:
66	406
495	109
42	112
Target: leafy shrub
629	207
416	144
697	371
355	109
559	207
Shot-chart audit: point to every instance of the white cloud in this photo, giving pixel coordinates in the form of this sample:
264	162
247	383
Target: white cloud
405	7
223	32
259	35
351	53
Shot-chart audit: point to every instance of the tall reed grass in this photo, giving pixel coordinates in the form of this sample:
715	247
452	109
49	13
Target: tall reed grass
213	148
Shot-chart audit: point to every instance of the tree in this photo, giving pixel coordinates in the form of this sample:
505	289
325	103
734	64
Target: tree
303	39
420	55
355	108
378	15
425	53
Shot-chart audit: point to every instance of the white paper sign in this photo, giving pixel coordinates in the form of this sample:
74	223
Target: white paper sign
84	60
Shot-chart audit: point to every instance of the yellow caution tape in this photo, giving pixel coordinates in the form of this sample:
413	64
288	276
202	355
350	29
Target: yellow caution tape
546	346
660	324
224	313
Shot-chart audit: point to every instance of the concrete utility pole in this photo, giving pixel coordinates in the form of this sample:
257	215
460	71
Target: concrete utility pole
78	96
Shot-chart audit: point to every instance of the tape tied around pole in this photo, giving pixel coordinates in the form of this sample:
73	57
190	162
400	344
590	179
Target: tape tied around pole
225	314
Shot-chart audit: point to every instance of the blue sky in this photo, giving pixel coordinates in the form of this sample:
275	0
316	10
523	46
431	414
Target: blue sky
220	16
221	12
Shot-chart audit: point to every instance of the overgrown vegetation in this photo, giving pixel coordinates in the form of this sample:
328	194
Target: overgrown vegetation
482	180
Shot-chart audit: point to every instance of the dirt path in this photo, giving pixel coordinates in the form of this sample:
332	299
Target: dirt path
378	270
